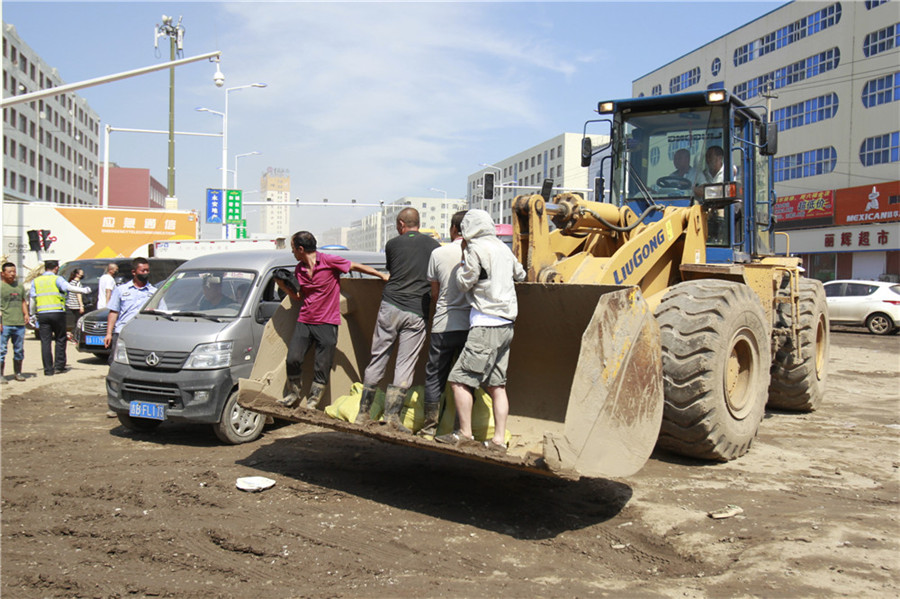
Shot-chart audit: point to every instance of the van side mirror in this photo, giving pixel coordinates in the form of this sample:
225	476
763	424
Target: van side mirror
587	150
768	139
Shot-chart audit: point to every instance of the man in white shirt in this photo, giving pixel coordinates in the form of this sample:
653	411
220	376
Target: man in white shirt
450	325
106	285
682	161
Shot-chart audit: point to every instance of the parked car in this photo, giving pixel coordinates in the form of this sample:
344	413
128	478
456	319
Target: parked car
94	268
90	329
181	357
872	304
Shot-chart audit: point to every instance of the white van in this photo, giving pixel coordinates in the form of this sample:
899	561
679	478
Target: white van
181	357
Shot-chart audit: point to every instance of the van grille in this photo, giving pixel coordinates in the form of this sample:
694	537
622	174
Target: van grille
157	392
168	360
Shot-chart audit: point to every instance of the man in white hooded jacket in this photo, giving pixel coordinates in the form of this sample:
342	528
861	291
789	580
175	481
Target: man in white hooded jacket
487	275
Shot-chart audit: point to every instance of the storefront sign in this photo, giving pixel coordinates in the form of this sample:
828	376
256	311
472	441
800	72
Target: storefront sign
806	209
848	238
868	204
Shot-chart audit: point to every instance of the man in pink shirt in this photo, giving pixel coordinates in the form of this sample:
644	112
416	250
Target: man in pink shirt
318	276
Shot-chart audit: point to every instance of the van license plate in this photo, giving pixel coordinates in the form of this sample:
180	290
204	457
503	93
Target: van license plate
93	340
147	409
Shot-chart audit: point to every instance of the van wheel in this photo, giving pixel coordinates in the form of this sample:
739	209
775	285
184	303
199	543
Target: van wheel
238	425
143	425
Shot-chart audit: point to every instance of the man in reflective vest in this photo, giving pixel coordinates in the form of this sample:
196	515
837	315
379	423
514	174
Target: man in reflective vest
48	297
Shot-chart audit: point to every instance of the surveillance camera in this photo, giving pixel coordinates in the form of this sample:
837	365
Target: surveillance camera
219	79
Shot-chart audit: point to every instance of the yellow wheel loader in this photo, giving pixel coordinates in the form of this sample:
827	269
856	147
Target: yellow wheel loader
656	314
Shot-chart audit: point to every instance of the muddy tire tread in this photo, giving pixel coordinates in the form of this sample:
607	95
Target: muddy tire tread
694	318
794	385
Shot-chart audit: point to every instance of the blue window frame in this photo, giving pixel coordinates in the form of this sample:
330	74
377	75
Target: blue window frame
805	164
804	113
880	149
657	90
870	4
684	81
881	90
790	33
716	66
882	40
792	73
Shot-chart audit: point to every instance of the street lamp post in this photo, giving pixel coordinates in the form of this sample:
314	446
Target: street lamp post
234	179
440	191
224	116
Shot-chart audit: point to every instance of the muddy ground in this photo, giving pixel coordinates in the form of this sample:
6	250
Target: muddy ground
90	509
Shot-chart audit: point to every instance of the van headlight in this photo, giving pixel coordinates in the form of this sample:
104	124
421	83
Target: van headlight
79	324
121	355
210	355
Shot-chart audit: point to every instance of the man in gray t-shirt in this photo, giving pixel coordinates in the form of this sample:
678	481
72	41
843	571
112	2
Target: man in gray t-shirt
450	325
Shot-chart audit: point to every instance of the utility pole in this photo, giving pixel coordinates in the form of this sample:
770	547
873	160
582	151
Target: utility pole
175	34
768	94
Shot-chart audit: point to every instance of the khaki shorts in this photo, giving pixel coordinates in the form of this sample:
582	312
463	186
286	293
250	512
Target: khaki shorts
485	357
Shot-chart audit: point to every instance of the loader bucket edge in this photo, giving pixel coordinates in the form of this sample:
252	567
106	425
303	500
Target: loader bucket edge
615	406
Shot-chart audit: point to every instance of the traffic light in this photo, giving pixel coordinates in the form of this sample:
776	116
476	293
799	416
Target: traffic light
34	240
489	186
45	239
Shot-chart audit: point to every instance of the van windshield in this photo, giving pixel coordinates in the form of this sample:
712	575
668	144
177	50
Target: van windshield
207	293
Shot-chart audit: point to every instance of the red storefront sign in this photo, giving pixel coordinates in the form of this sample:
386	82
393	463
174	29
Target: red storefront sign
868	204
817	204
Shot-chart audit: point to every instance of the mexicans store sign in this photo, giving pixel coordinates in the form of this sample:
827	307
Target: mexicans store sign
868	204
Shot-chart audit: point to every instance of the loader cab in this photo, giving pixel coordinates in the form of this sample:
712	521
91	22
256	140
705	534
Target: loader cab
666	151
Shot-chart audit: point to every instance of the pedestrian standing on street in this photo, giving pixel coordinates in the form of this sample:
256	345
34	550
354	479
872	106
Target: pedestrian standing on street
318	278
487	274
74	302
449	326
106	285
401	318
48	294
126	301
13	316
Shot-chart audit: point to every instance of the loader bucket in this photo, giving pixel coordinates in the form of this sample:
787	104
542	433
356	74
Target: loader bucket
584	378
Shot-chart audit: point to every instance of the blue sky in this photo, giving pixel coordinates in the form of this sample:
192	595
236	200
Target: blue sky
367	100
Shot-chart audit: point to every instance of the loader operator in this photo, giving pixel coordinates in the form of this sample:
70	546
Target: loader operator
318	275
487	273
401	318
450	325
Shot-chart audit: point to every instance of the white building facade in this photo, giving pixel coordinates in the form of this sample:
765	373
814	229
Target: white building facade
558	158
373	231
830	74
51	146
275	187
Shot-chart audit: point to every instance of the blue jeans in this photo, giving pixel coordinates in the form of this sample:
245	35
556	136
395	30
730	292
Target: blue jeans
17	334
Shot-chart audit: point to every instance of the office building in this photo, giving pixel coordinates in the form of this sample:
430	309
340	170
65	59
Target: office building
133	188
558	158
275	187
373	231
50	146
829	73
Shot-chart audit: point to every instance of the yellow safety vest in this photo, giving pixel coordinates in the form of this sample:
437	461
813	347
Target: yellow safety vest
48	297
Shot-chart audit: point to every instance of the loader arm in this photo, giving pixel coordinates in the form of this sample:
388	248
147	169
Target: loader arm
598	243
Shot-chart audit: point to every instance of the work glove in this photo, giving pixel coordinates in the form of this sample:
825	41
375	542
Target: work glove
283	274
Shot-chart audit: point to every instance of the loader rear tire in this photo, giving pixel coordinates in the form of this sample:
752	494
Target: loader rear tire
715	356
799	385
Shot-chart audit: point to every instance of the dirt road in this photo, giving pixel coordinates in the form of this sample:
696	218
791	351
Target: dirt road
92	510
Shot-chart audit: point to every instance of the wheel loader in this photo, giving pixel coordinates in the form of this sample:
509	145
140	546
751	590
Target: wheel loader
656	315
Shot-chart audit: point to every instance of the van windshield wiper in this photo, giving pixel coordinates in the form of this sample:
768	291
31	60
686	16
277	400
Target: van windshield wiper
165	315
197	315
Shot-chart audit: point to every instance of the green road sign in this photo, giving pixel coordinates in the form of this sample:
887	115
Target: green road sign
233	206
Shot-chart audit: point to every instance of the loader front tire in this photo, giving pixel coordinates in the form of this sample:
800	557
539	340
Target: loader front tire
715	356
799	384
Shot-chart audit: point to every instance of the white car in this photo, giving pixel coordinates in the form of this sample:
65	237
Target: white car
872	304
